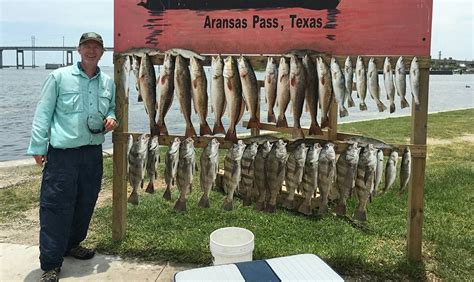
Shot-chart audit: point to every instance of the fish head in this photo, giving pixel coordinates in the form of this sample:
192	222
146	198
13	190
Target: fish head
168	64
360	62
196	66
242	65
283	68
301	150
348	62
143	141
400	63
217	66
153	143
214	144
253	147
175	145
322	67
394	155
180	64
229	67
270	65
267	147
335	69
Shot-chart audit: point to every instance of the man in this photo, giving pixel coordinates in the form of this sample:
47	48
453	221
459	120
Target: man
76	109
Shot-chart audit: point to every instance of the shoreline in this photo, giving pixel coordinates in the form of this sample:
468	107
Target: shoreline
109	151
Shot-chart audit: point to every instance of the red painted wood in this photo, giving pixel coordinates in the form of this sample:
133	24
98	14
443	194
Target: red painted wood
363	27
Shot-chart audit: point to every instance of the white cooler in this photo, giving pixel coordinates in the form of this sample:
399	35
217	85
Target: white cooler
304	267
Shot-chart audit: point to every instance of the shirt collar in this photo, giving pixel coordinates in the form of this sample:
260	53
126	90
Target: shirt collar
78	69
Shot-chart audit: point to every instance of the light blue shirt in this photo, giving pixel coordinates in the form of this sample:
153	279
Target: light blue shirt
68	97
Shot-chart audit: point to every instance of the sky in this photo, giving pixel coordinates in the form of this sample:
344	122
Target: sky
51	21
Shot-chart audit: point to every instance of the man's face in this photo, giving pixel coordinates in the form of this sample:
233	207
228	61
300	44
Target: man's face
91	52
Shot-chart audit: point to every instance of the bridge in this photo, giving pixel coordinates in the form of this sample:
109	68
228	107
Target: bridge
20	56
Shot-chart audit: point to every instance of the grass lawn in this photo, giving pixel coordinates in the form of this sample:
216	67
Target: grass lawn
374	250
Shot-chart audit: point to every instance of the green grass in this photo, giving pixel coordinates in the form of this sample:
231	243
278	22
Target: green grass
375	250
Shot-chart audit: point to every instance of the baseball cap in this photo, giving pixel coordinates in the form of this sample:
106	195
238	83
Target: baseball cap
91	36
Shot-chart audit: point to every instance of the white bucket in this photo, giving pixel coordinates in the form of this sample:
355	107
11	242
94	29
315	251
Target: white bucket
231	245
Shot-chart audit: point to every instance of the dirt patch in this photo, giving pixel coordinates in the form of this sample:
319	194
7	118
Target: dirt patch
15	175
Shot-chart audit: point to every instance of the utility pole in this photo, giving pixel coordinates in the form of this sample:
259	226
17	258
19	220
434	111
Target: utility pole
33	64
439	55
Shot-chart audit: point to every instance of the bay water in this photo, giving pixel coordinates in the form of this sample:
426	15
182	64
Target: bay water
20	91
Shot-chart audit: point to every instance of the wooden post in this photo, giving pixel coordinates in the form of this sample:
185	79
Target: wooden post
256	131
332	128
417	179
119	193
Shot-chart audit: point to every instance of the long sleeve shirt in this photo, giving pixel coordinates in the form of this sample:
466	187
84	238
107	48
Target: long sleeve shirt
68	98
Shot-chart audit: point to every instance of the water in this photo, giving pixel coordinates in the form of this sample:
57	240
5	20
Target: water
20	91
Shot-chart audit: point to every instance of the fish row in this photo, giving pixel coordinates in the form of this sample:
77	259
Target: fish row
234	88
143	157
258	172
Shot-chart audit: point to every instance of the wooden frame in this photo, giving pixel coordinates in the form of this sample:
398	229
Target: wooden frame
417	145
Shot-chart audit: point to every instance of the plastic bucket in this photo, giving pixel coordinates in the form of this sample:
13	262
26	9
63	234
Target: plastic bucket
231	245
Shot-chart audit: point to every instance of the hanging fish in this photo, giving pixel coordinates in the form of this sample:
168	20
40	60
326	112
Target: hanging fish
260	182
232	173
309	182
415	81
217	94
312	95
339	87
349	76
297	93
275	168
271	78
346	167
400	82
137	159
391	170
283	92
325	91
171	167
373	84
361	83
147	86
186	169
209	168
248	175
182	84
152	163
389	83
165	91
405	170
294	173
233	96
365	180
250	90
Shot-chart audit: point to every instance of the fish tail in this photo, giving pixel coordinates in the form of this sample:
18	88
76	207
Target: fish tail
167	194
289	204
154	130
247	201
133	198
305	208
218	128
180	205
363	106
271	117
260	206
162	128
381	106
315	129
253	123
204	129
350	101
323	209
281	122
343	112
204	202
392	107
231	134
190	131
324	121
341	209
404	103
297	133
228	205
360	215
150	188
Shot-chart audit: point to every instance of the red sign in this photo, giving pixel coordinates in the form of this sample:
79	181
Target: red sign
338	27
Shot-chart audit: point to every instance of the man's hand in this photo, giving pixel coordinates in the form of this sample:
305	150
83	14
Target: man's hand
40	159
109	124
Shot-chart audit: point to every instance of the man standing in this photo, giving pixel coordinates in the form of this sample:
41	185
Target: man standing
76	109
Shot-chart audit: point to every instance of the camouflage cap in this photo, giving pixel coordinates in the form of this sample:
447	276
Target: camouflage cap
91	36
